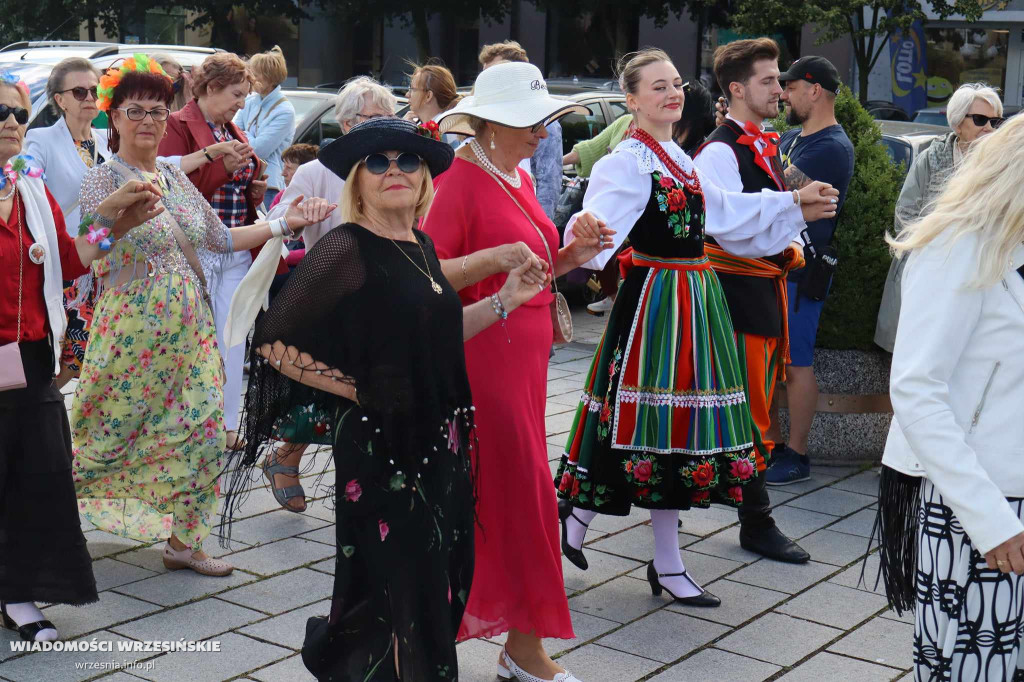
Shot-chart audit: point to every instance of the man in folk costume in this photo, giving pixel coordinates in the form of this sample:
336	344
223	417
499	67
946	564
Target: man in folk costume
740	156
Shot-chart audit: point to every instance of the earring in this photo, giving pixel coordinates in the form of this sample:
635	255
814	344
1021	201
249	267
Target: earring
492	141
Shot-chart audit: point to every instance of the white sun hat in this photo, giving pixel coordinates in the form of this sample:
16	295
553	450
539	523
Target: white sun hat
511	94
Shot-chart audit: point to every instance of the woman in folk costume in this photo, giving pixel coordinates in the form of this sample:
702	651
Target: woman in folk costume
663	421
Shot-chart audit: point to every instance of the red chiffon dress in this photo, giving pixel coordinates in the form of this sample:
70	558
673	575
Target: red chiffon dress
517	580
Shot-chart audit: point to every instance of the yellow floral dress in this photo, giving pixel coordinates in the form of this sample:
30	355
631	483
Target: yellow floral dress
147	419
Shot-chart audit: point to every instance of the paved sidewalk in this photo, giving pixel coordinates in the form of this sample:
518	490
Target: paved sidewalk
809	623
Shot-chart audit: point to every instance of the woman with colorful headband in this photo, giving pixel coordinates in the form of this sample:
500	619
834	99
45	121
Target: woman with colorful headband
147	419
43	556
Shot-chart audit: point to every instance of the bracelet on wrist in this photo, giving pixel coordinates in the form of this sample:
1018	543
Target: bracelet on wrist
465	278
104	221
499	310
95	233
796	197
206	153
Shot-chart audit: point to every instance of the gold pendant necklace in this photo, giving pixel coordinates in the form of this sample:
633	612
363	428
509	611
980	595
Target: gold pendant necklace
433	284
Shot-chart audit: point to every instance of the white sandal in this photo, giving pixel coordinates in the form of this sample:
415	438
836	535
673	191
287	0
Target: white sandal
175	559
511	671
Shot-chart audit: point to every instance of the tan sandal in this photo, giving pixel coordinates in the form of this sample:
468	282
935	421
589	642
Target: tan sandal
177	559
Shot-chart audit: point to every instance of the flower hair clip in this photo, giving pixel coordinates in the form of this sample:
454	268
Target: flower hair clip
95	234
138	63
20	164
430	129
8	77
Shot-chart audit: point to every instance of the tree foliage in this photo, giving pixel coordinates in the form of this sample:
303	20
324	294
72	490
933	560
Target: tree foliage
848	320
867	23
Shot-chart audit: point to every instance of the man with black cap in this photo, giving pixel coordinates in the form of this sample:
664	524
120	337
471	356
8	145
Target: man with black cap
818	150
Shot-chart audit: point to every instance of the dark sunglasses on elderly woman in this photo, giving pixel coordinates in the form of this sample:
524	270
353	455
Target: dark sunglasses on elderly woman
980	120
378	164
20	114
81	93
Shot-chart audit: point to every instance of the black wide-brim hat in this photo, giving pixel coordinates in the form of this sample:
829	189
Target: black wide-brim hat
382	134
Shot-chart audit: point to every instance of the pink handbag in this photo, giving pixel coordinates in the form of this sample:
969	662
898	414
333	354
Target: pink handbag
12	370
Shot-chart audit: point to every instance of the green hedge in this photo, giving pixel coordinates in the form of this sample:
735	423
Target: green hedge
848	320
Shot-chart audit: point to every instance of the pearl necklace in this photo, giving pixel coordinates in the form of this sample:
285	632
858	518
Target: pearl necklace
9	193
515	179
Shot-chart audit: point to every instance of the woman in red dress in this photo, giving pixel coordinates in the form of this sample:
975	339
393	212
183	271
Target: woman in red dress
517	582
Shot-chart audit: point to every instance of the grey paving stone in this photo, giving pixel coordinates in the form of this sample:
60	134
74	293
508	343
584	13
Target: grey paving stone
553	408
635	543
177	587
260	501
585	626
325	566
832	501
559	423
563	355
120	677
570	398
860	523
705	522
779	496
73	621
199	620
703	567
612	524
835	605
113	573
865	483
149	558
880	640
725	544
281	556
664	636
60	666
851	577
288	629
720	666
740	602
288	670
556	373
276	525
101	543
238	655
478	660
796	522
327	535
321	509
826	666
595	663
578	366
602	567
907	617
762	639
561	386
818	479
620	600
284	592
789	578
830	547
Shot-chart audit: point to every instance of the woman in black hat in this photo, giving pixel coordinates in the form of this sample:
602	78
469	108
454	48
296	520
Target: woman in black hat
368	332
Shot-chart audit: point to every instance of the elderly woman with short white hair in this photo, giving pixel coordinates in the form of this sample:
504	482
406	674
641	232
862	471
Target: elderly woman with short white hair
973	111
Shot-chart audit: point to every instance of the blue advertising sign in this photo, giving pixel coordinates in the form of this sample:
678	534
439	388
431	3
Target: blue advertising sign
909	65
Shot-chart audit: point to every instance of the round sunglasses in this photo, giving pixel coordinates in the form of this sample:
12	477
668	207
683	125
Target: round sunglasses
81	93
980	120
379	163
20	114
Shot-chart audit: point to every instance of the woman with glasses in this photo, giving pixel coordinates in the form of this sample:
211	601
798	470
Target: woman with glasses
221	85
432	92
147	418
973	112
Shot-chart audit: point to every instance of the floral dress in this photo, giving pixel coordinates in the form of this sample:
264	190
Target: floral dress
147	419
663	421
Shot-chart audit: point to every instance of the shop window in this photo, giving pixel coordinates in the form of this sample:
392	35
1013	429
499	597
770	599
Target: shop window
964	55
577	127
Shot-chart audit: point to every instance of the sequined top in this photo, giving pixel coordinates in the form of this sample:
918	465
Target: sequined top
150	248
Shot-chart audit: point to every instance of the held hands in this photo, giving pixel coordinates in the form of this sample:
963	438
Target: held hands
521	286
508	257
592	237
1008	556
721	109
259	188
818	200
302	212
236	154
132	204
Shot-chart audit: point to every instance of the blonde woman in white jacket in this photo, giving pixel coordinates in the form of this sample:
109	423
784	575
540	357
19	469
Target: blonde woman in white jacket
952	492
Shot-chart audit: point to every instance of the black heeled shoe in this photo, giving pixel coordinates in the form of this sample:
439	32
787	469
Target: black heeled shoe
28	631
575	556
705	598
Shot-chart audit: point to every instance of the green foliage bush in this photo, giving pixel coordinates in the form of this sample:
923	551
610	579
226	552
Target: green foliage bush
848	320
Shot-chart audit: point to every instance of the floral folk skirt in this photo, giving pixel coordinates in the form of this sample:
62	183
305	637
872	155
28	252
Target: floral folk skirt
663	421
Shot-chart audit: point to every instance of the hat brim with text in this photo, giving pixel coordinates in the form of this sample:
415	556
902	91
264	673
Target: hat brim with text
383	134
511	94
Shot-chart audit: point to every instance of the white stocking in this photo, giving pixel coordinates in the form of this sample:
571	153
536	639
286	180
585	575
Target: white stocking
667	558
26	612
576	532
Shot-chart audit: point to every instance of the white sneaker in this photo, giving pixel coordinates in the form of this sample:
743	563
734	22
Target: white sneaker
601	307
511	671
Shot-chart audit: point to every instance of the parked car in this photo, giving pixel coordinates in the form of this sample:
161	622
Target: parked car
318	123
881	110
905	140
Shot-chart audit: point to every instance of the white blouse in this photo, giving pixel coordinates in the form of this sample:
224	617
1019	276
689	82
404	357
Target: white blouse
744	224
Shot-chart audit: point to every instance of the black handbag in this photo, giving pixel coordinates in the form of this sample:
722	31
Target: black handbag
820	265
570	202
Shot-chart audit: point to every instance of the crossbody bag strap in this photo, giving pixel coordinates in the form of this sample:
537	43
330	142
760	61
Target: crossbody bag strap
187	250
256	121
547	249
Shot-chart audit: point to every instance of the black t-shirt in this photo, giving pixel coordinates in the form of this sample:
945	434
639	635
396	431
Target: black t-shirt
827	156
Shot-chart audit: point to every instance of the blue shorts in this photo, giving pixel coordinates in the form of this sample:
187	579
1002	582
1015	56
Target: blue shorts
803	326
